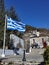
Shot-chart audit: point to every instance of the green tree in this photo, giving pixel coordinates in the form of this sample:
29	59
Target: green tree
13	15
11	12
46	56
1	26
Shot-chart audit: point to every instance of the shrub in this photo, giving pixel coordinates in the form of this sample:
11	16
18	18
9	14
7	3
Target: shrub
46	56
10	63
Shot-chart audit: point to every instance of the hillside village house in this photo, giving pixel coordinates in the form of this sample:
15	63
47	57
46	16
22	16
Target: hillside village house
37	37
38	40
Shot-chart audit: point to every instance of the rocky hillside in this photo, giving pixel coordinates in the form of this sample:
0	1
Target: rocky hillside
43	31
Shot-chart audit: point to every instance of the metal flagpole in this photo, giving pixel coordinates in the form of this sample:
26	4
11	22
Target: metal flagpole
3	54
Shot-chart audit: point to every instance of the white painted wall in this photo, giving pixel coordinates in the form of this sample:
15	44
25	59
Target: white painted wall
38	40
17	40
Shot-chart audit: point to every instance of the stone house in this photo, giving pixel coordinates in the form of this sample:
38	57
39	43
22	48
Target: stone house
37	36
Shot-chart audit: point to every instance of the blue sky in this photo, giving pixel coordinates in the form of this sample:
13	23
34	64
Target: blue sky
31	12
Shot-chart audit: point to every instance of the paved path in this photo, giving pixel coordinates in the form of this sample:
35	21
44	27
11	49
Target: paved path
29	57
32	57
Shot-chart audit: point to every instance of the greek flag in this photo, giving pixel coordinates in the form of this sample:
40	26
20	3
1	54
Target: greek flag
15	25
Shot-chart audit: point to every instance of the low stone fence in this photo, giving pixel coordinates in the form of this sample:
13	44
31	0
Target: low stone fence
37	51
7	52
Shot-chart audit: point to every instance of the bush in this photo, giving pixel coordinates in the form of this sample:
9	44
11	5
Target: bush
46	56
10	63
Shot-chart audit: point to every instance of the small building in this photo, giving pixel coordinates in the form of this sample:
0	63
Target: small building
38	40
35	32
37	37
16	43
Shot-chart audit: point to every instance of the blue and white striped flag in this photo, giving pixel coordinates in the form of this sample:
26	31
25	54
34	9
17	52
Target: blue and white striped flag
15	25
